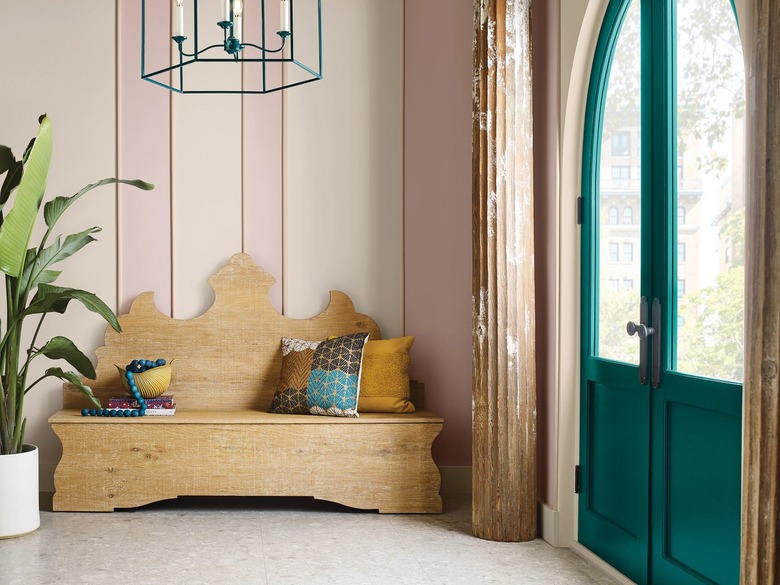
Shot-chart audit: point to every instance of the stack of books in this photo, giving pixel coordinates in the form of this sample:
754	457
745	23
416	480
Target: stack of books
160	406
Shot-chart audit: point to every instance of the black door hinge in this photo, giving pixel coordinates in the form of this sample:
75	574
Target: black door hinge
577	479
579	210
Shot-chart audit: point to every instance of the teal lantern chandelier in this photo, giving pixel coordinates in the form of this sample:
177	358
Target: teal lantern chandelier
231	46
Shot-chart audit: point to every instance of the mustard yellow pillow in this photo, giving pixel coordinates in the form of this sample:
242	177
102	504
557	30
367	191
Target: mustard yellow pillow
384	380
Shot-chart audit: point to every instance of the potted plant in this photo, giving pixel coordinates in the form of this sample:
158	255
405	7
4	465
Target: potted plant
29	292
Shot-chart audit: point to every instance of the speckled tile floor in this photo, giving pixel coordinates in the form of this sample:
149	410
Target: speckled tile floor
278	542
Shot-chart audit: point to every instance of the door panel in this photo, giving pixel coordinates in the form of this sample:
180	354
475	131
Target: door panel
696	481
613	499
697	524
612	457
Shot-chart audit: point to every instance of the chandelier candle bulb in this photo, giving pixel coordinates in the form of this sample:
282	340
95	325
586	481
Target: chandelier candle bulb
225	11
284	16
238	10
178	30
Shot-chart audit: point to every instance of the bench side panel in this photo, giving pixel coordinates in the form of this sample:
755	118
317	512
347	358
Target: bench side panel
382	466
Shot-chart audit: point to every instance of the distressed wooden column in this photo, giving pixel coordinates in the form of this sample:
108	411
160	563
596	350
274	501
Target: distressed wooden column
504	380
761	483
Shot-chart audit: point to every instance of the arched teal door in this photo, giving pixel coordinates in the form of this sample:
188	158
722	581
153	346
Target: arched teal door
662	293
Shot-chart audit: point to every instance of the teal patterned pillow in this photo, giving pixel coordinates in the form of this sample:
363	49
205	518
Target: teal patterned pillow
334	381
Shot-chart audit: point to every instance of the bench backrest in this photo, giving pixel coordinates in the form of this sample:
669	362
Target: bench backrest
228	358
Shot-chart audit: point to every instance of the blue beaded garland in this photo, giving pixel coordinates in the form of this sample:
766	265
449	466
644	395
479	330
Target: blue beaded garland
136	366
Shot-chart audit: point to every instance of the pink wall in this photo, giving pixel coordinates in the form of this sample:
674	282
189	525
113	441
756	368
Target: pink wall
143	152
437	213
437	203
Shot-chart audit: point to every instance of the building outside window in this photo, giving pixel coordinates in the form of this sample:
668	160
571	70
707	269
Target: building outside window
628	215
614	252
621	144
621	175
612	215
628	252
628	284
681	253
614	284
681	216
680	288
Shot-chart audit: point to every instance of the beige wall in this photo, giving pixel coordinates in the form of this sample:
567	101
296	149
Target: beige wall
48	68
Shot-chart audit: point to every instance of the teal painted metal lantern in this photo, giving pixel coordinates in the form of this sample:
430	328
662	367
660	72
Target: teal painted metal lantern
231	46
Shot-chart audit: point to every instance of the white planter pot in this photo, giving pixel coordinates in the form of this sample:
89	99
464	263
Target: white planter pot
19	509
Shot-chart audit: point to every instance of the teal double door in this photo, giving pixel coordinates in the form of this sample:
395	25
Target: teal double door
662	293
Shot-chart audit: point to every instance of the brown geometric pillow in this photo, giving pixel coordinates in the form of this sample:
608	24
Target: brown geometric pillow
290	395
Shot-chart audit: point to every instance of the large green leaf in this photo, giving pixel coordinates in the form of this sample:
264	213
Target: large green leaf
11	182
18	225
57	206
62	348
50	298
38	261
76	381
6	159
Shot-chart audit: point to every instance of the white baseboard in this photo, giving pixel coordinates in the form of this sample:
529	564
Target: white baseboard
600	564
455	480
549	525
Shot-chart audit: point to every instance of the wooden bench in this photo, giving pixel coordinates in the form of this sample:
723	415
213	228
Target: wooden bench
221	441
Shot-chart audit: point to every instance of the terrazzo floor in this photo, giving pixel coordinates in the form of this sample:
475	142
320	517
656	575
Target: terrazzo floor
278	542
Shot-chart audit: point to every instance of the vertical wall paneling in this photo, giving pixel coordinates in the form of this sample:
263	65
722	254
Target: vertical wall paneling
206	176
47	68
144	152
262	165
437	213
343	168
